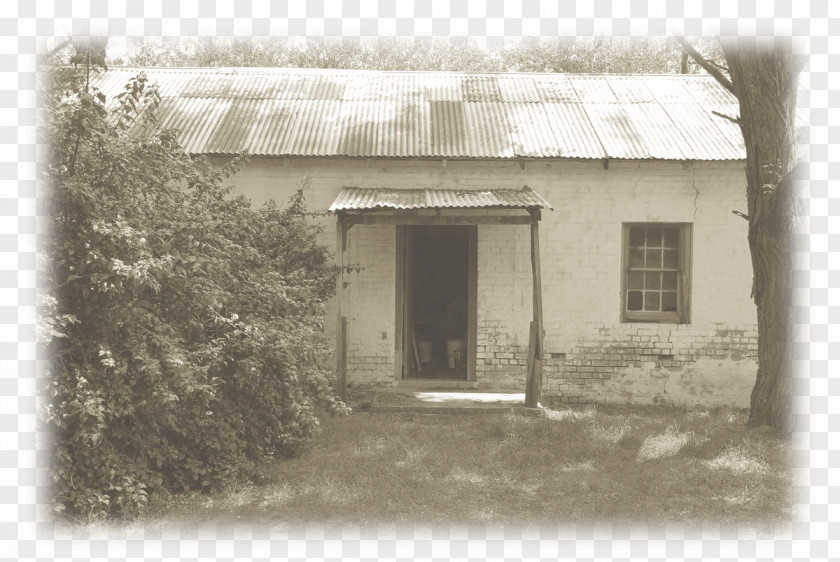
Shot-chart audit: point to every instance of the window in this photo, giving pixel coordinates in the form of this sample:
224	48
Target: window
655	276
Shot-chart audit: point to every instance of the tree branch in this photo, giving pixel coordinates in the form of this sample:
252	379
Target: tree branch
720	67
707	65
735	120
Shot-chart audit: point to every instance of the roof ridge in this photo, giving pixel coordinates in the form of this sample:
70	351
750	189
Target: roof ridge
236	70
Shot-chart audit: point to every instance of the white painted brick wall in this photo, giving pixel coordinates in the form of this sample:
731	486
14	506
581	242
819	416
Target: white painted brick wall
581	261
369	304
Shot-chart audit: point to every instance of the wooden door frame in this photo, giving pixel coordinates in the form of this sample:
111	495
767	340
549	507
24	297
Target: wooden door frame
472	299
402	277
533	384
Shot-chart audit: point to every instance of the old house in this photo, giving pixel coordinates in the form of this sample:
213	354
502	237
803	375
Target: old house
477	208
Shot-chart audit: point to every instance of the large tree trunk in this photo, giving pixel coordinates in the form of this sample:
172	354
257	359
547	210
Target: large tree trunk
765	82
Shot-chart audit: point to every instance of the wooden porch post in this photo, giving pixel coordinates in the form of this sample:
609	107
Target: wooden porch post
533	382
341	321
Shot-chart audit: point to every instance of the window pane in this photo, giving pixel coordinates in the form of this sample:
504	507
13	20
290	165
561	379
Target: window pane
669	301
637	258
672	259
653	259
653	281
654	237
651	300
634	300
637	236
672	238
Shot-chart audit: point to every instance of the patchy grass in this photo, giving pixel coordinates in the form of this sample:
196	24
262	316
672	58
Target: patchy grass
582	464
745	458
662	445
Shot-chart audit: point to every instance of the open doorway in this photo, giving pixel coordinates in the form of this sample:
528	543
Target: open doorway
438	275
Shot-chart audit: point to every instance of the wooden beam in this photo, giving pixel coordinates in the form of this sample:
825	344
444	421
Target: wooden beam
472	301
399	305
538	311
531	399
443	220
342	360
407	296
537	276
341	321
346	228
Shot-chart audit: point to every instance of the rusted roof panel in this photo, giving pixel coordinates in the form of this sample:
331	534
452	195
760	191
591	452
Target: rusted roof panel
657	132
573	131
615	131
556	88
316	112
312	127
487	130
233	127
354	198
271	127
480	88
531	130
358	128
518	89
447	127
197	119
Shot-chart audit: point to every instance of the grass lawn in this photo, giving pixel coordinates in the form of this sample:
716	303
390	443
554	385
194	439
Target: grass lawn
576	465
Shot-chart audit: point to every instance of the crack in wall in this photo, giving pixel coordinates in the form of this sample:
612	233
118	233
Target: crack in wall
692	171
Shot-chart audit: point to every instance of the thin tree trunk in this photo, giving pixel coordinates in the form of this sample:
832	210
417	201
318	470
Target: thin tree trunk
765	82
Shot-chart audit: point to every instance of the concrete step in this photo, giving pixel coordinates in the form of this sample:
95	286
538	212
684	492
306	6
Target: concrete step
436	384
435	401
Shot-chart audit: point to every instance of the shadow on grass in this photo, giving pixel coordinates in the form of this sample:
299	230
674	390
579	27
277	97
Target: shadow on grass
575	465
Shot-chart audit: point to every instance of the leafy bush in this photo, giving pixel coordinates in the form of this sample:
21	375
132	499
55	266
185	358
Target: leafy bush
185	328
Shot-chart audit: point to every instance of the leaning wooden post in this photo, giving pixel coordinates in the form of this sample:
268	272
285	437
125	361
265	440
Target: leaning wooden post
341	321
534	381
530	401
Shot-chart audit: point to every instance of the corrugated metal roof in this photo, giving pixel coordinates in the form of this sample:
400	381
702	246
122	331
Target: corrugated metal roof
616	133
356	199
314	112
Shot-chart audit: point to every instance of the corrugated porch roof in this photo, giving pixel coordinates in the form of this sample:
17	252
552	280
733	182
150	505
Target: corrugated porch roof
358	199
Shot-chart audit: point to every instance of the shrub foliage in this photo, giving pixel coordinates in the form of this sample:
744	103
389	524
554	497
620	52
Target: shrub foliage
184	327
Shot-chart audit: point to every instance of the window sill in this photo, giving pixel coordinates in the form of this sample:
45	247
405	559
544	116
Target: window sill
653	320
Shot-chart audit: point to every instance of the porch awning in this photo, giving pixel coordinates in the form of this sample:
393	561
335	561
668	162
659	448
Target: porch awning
367	199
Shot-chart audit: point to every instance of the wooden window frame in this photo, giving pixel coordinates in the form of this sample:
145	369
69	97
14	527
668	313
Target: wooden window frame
683	313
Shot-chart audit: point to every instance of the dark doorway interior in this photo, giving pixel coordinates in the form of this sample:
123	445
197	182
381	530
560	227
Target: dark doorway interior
438	301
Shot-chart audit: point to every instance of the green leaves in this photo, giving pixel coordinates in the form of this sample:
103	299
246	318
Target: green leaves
184	326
